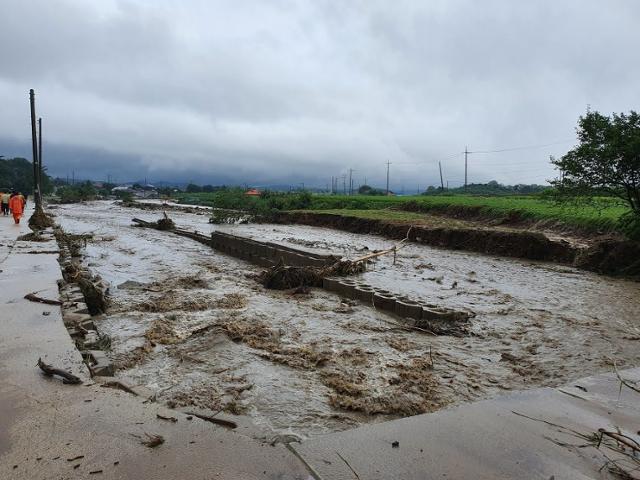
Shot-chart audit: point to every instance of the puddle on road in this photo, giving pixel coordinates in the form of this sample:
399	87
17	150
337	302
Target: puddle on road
193	325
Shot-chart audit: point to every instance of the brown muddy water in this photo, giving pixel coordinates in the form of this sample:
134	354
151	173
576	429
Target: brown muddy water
193	325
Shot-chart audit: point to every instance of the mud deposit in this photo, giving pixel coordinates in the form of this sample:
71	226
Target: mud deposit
193	325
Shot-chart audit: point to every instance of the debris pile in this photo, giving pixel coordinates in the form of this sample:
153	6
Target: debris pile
165	223
40	220
284	277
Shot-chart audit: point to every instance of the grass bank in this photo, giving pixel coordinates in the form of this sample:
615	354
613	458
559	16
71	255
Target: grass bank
598	216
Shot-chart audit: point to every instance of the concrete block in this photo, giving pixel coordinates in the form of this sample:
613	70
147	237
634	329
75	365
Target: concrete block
364	294
88	324
74	332
72	318
408	309
100	364
346	289
384	302
91	339
331	284
263	262
382	291
280	254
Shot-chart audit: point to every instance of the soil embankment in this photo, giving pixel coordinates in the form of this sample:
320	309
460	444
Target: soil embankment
613	257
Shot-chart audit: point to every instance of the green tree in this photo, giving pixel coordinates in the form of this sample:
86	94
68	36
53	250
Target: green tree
368	190
606	160
17	174
77	193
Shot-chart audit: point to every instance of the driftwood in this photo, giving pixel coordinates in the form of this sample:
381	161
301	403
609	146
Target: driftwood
212	419
393	250
619	437
67	377
164	223
34	298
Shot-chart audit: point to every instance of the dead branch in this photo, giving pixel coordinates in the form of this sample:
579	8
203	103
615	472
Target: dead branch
619	437
34	298
627	383
169	419
551	424
393	249
118	386
213	419
67	377
409	328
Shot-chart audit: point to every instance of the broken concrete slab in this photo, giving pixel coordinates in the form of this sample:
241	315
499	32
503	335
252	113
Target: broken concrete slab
491	439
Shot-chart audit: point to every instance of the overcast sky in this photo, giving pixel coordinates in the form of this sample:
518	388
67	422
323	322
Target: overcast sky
286	91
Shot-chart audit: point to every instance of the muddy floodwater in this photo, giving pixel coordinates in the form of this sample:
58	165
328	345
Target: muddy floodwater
196	327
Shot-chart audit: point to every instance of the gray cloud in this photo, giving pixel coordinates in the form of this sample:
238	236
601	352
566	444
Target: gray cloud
292	91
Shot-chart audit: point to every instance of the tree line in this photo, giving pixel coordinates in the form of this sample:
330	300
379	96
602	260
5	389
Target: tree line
17	174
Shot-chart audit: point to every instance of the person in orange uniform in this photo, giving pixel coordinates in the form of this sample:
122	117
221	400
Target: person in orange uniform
16	204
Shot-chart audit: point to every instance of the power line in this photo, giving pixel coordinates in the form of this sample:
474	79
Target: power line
528	147
457	154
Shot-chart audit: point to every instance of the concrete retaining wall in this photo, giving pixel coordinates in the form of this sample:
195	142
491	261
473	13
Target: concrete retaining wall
77	319
413	312
266	254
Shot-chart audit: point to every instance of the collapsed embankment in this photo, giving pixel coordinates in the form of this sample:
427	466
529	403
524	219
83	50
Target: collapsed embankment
612	257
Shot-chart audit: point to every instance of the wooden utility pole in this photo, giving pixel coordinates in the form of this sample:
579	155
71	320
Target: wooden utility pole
441	181
466	154
350	182
40	158
388	163
34	144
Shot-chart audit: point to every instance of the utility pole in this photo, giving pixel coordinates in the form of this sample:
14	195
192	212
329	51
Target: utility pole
34	144
40	159
466	154
388	163
344	184
350	182
441	181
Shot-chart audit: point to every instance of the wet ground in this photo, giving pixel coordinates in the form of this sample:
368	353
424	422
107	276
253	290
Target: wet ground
196	327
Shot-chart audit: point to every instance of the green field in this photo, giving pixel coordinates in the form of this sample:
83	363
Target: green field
599	215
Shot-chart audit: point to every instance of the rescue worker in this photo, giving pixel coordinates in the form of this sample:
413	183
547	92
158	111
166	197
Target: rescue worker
16	204
4	201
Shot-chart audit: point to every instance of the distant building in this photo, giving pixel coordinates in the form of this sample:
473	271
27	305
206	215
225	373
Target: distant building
254	192
136	192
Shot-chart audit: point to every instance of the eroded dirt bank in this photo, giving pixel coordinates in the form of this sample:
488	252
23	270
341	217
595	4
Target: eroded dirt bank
611	256
195	326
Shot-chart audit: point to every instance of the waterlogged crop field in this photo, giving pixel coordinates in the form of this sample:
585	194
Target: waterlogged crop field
195	326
